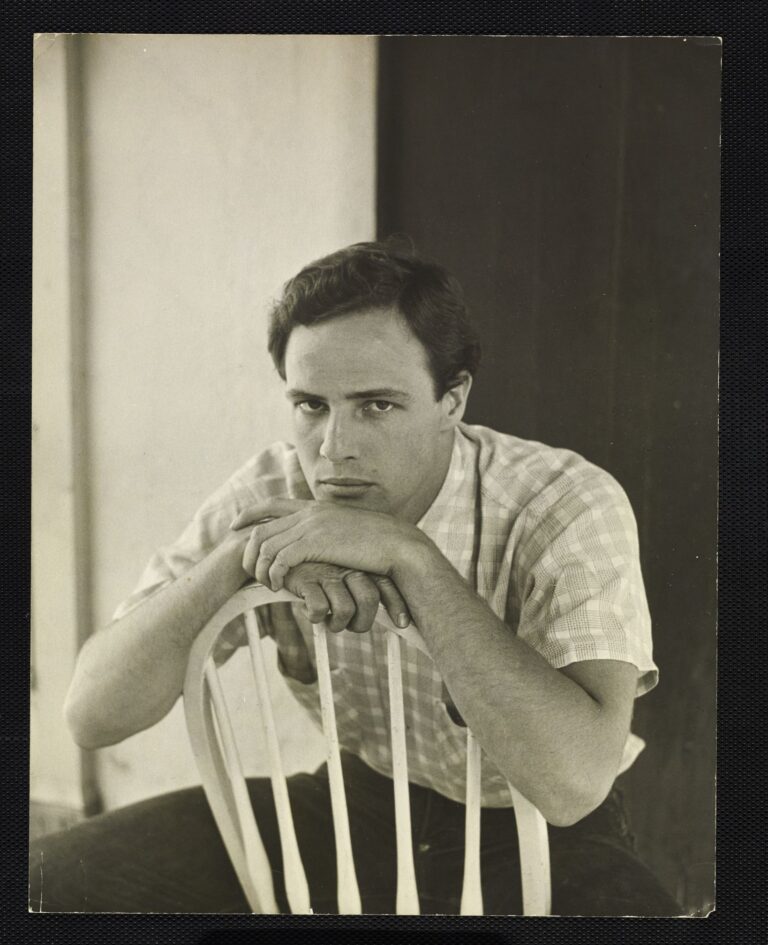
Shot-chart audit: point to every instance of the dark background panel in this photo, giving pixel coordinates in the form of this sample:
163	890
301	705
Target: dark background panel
573	187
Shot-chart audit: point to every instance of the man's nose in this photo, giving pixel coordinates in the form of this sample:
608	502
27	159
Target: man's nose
338	441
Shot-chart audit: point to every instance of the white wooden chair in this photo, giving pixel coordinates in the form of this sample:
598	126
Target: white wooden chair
215	750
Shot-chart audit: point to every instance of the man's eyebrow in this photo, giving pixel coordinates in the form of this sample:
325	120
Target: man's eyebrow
379	393
376	393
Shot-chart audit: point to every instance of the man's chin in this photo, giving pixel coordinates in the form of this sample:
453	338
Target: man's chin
364	503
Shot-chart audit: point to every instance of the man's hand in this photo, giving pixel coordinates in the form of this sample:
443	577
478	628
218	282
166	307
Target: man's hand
350	597
288	532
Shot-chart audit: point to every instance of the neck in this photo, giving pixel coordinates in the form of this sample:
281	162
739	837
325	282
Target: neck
415	513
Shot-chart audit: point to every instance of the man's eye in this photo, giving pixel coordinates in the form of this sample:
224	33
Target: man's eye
310	406
379	406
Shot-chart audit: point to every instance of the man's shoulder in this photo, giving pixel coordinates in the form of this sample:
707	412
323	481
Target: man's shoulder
277	459
527	474
273	472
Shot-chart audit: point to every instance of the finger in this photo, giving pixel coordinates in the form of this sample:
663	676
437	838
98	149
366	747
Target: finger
393	601
251	554
271	568
296	546
263	563
316	604
275	508
366	597
258	535
342	604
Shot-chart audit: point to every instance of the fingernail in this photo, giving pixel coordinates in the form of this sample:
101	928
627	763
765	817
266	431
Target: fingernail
402	621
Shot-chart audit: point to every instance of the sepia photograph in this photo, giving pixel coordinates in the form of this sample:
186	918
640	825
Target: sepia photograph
374	486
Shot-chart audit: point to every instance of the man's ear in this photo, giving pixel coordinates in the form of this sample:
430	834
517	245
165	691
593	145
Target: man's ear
454	400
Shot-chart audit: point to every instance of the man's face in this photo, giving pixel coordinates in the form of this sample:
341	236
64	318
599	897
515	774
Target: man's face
368	429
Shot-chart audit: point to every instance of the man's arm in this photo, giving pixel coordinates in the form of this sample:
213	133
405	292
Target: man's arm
557	735
129	675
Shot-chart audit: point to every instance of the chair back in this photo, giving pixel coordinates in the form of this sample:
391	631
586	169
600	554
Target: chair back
216	753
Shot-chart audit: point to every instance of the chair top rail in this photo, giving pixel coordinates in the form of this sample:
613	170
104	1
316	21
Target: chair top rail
256	595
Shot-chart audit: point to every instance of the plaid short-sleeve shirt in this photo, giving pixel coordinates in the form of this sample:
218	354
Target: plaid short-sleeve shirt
546	538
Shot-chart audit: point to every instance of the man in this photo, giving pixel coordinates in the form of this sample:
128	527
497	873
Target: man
518	563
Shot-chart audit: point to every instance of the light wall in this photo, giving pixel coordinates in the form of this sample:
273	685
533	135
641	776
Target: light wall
214	167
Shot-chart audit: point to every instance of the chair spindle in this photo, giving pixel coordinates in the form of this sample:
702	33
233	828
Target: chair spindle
407	901
296	887
348	892
471	893
256	857
533	841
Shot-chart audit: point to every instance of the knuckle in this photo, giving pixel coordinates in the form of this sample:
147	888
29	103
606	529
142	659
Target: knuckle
357	577
257	532
387	589
299	588
363	585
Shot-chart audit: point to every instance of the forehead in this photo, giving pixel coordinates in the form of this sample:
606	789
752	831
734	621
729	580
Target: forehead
374	348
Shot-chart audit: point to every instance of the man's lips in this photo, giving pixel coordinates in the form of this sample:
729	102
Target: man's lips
344	487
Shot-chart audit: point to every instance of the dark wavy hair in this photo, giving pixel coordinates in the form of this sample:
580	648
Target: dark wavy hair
367	276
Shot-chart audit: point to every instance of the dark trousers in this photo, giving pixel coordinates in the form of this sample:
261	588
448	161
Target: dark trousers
165	855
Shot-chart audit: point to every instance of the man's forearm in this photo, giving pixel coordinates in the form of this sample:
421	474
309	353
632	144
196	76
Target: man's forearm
129	675
550	737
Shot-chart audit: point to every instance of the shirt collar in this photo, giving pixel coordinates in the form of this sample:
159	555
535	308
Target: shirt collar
450	519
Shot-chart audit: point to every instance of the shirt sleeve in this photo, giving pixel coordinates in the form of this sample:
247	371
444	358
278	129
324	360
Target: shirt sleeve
271	474
206	529
579	581
274	473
